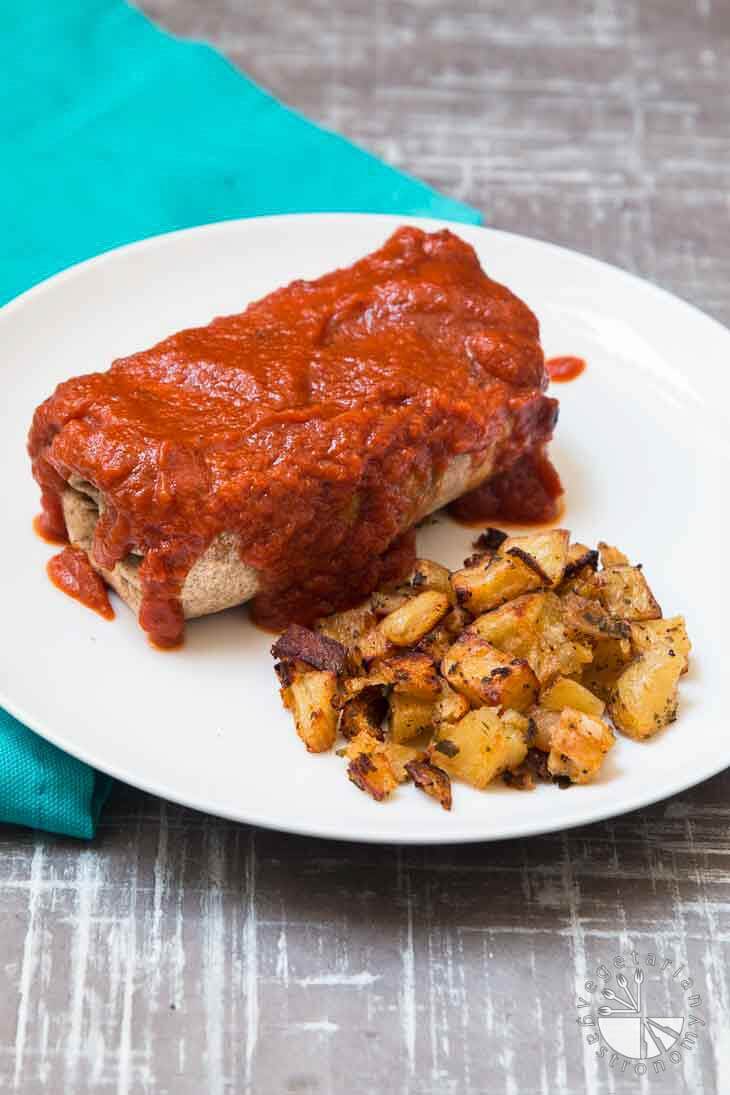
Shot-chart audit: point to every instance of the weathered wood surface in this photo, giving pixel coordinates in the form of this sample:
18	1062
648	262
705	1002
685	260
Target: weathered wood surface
179	953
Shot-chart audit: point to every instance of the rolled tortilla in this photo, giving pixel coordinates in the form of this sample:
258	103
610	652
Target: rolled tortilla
219	579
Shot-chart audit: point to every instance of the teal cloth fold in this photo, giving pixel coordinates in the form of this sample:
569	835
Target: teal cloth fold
110	131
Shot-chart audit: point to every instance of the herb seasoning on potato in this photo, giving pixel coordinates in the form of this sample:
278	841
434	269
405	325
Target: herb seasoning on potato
517	667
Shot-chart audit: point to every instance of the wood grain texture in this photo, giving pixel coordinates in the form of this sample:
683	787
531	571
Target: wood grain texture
179	953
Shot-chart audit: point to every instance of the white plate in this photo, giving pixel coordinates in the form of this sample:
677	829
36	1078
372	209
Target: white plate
641	446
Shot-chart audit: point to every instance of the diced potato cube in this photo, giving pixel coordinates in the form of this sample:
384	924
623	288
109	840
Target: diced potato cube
542	722
492	582
514	626
578	746
413	672
479	747
372	773
347	627
399	756
544	552
385	601
429	575
409	717
486	675
371	645
430	779
411	621
450	706
645	696
625	593
669	634
564	692
315	714
611	556
365	711
589	617
610	658
582	561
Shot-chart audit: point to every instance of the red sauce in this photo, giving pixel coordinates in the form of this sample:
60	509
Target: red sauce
562	369
47	531
72	573
529	493
314	426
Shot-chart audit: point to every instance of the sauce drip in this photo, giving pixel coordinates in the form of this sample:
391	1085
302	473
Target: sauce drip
48	531
313	427
529	493
72	573
562	369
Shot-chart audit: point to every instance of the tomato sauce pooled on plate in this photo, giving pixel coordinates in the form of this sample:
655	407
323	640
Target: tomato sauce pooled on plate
72	573
562	369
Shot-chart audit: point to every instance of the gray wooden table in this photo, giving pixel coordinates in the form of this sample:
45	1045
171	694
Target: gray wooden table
179	953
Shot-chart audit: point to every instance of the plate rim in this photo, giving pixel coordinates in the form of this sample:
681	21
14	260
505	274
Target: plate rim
532	826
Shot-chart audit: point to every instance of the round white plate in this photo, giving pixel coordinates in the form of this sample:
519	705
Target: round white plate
641	446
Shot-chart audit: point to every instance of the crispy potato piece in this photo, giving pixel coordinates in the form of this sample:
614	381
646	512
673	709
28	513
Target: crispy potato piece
431	780
590	618
487	676
427	575
412	672
532	627
564	692
315	714
318	651
439	639
625	593
400	756
669	634
480	746
542	722
610	658
364	712
450	705
349	626
491	582
409	717
582	560
611	556
415	618
556	653
544	552
644	698
385	601
371	645
579	745
514	626
372	773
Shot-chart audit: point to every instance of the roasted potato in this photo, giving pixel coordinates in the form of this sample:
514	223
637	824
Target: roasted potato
432	780
427	575
364	712
578	746
312	698
372	773
669	634
611	556
480	746
625	593
412	672
546	553
409	716
493	581
415	618
511	667
487	676
564	692
645	696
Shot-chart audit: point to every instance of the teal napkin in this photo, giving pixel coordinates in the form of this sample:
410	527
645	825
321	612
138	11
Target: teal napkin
110	131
